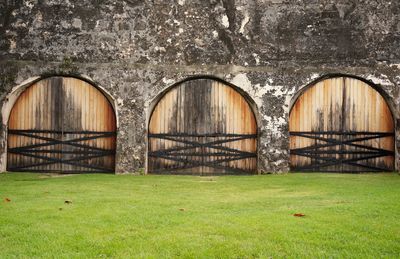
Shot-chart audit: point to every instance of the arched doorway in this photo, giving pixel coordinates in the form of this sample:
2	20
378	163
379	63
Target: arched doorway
61	124
341	124
202	126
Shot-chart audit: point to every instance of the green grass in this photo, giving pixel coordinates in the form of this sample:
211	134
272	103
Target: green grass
200	217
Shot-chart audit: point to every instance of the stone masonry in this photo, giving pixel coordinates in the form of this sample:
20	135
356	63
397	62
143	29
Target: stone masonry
135	49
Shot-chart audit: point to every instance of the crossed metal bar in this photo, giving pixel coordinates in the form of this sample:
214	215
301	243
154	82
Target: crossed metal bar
315	151
88	152
178	154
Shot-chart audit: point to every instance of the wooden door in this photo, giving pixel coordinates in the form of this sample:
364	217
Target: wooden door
61	124
204	127
341	124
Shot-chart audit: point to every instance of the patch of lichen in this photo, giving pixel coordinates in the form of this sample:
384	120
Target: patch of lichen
5	80
67	67
8	74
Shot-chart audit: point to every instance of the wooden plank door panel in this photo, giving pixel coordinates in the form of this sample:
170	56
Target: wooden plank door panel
204	127
61	124
341	124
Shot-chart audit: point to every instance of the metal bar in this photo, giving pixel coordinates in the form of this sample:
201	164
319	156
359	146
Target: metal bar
197	164
378	169
64	141
209	164
335	142
16	132
83	152
208	144
334	161
166	151
185	172
340	171
56	160
338	161
88	166
368	152
175	154
162	135
59	171
336	152
52	142
235	152
176	171
300	133
89	152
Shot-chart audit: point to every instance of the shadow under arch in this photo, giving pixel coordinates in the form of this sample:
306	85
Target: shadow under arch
154	102
13	96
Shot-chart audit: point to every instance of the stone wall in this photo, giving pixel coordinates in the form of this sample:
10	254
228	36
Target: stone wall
136	48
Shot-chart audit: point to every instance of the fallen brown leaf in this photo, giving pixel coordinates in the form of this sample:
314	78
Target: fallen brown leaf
299	215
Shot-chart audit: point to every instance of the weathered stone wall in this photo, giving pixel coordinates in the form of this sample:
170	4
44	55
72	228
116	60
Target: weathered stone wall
135	49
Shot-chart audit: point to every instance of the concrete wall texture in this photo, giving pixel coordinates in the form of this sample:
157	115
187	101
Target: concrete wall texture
135	49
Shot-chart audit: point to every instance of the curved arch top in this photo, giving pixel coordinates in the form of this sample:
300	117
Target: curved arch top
243	93
340	75
19	89
202	125
69	99
341	124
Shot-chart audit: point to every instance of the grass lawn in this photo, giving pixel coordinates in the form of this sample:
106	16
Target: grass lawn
200	217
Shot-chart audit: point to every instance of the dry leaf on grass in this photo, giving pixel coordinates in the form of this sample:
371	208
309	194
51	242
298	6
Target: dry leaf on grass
299	215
